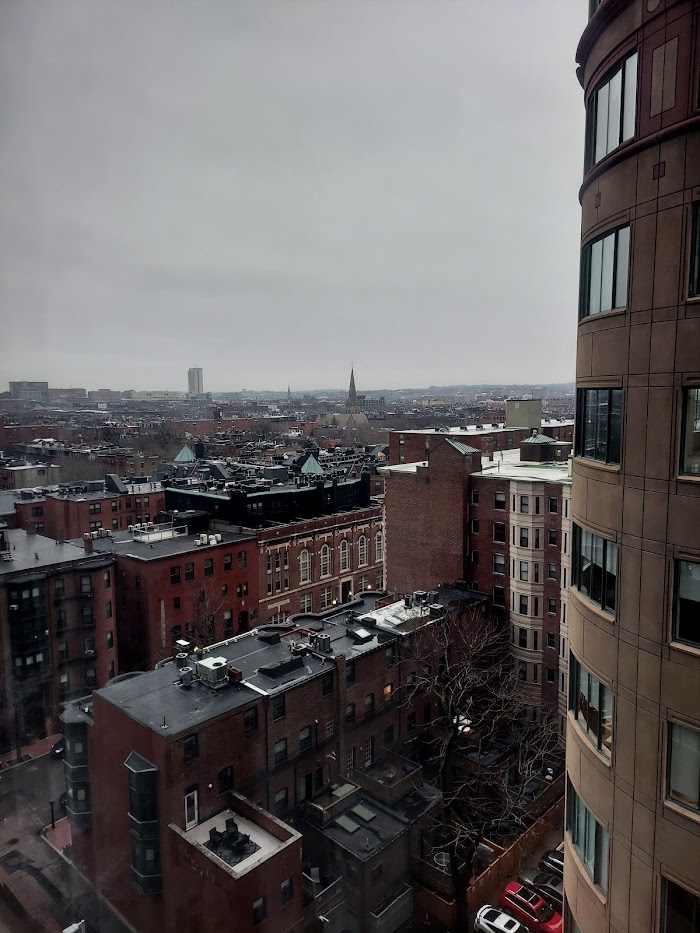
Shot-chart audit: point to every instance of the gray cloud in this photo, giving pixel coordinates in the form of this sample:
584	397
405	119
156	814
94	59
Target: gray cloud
273	188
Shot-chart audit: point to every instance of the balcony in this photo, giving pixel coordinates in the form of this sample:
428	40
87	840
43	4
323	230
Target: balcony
323	897
390	915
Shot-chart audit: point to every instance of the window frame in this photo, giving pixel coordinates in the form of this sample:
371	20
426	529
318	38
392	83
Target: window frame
587	820
603	438
672	726
599	698
593	110
675	633
588	264
609	609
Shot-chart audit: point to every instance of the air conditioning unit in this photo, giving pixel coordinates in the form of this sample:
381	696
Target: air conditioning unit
131	527
203	539
197	542
14	607
213	671
94	535
89	652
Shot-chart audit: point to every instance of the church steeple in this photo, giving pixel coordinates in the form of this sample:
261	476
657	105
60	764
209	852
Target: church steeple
351	404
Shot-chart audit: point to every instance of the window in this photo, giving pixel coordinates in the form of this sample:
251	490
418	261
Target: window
110	639
250	720
87	618
362	550
604	273
551	640
499	532
306	603
524	537
242	558
59	588
189	571
304	567
259	909
522	637
475	526
94	508
350	672
37	511
475	496
327	684
590	839
279	706
552	571
344	555
599	424
687	608
591	703
680	910
379	546
225	779
369	703
325	560
551	605
499	596
305	739
86	585
611	112
350	759
594	568
280	751
523	606
208	567
287	890
537	538
191	747
228	561
368	751
683	766
350	712
228	622
174	575
388	690
524	567
499	501
522	670
690	456
525	504
499	563
389	735
176	633
61	618
475	558
326	597
115	505
281	800
552	537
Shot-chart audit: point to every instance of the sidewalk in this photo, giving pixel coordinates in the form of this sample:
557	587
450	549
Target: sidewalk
36	750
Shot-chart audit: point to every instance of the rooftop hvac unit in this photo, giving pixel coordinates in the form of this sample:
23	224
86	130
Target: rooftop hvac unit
181	659
212	671
186	674
212	539
94	534
218	538
197	542
203	539
131	527
323	643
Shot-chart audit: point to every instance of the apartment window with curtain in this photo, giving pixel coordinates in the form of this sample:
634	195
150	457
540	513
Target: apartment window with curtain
599	424
591	703
589	838
594	568
683	766
604	273
687	603
611	111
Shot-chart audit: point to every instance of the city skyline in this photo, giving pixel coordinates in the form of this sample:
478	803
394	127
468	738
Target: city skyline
280	172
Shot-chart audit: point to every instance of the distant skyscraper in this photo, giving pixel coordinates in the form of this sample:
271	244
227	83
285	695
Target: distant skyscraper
195	381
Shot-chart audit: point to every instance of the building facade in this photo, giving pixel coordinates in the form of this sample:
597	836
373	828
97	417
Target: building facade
633	746
58	632
195	381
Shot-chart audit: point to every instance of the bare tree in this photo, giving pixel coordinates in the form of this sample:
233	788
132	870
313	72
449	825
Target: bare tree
204	608
484	751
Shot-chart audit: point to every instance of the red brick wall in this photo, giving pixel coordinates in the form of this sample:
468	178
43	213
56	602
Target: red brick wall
426	520
483	542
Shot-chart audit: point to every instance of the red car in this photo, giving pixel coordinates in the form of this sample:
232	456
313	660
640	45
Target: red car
531	909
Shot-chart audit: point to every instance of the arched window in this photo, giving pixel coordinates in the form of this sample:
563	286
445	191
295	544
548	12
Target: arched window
362	551
304	567
325	560
379	546
344	554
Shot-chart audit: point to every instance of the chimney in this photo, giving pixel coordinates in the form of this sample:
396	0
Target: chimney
87	542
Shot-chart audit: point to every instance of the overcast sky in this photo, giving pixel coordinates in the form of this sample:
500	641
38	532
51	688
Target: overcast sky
271	189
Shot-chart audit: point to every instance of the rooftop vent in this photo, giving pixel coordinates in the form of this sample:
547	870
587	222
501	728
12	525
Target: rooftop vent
279	668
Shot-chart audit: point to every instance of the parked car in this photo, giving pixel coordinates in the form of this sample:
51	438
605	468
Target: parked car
58	749
530	908
491	920
546	883
553	861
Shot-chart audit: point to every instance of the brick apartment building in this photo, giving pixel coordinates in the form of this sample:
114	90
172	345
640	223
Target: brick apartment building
57	630
410	446
179	580
504	529
91	506
19	474
298	722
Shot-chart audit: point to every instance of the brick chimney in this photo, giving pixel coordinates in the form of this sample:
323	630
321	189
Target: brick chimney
87	542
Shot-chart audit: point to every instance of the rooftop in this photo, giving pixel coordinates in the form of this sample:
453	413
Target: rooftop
30	552
155	545
239	846
472	430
